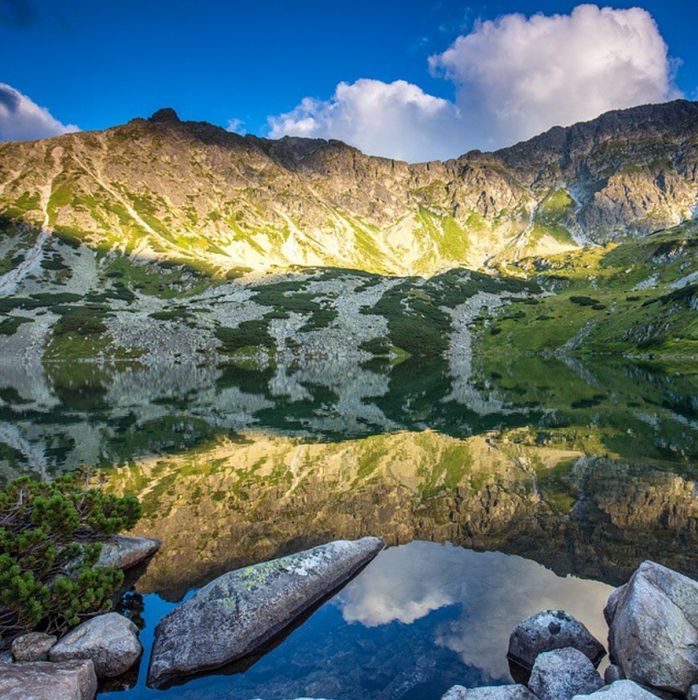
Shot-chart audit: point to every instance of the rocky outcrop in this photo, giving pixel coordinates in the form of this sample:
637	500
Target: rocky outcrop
612	674
123	552
653	628
33	646
563	673
620	690
41	680
495	692
237	612
110	641
548	630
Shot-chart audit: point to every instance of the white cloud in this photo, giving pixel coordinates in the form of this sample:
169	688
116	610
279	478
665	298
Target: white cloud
516	77
396	119
513	77
237	126
21	119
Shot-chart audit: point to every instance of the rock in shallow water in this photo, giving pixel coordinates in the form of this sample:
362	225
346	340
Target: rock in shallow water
563	673
243	609
123	552
33	646
42	680
548	630
110	641
653	628
495	692
620	690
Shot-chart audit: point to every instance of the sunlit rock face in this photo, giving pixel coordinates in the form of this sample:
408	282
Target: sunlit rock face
167	189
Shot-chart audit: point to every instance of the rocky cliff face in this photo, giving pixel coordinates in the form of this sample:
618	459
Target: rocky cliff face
191	192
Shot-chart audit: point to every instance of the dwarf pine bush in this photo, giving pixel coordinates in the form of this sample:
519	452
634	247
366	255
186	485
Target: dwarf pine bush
49	545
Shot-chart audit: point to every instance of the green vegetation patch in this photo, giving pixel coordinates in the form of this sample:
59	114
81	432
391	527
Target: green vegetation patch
50	536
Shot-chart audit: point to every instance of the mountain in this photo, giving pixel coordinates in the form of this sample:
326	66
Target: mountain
164	241
193	193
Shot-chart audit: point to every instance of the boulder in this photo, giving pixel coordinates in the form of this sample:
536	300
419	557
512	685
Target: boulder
6	657
563	673
692	693
42	680
612	674
110	640
33	646
548	630
123	552
620	690
495	692
653	628
241	610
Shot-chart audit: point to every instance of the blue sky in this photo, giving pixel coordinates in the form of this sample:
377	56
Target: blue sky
96	64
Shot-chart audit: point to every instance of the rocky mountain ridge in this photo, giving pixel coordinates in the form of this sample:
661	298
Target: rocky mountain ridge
192	193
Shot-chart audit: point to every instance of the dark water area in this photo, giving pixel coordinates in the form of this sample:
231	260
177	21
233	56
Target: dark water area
516	487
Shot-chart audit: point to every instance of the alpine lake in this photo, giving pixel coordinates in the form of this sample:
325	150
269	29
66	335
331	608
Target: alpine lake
533	484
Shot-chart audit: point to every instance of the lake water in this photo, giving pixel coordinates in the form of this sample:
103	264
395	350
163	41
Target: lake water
537	484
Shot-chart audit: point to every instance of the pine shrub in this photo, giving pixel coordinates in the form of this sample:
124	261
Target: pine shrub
50	541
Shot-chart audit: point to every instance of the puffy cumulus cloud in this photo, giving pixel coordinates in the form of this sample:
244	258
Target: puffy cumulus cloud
21	119
518	76
514	77
396	120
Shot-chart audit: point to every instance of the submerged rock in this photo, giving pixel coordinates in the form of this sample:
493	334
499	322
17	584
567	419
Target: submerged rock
563	673
495	692
620	690
548	630
33	646
110	641
653	628
239	611
42	680
123	552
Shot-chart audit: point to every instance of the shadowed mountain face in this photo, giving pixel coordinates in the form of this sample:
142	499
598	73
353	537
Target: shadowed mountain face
163	189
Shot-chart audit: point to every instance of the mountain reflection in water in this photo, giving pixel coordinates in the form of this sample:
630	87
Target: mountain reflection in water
582	470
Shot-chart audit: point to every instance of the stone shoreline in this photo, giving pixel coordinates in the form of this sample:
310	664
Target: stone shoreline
652	640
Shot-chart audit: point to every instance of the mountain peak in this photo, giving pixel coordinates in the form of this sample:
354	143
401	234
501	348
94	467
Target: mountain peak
165	115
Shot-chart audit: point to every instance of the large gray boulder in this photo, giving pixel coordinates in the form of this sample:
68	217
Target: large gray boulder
653	628
563	673
42	680
548	630
33	646
110	641
494	692
620	690
124	552
241	610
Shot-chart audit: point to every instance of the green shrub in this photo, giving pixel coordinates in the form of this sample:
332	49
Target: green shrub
49	545
246	334
82	320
